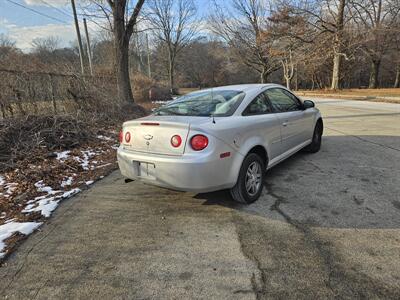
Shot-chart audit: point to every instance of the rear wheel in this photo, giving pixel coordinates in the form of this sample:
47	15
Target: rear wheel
250	182
315	145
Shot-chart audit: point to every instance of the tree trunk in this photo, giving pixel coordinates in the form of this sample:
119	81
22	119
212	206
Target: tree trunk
397	80
171	69
337	47
336	71
264	75
288	82
374	74
122	66
121	45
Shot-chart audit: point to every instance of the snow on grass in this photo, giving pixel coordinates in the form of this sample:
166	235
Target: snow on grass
8	229
102	166
9	188
103	137
47	204
41	187
87	155
62	155
67	181
89	182
2	180
70	193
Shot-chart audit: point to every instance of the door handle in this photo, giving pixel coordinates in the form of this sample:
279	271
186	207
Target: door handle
285	123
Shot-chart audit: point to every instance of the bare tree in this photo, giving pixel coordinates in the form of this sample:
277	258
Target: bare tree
123	26
338	44
288	67
48	44
375	20
173	22
327	21
245	27
7	45
121	19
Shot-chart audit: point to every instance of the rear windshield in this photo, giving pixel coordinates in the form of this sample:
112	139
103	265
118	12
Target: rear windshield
219	103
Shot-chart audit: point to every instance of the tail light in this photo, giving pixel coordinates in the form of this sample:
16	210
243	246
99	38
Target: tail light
127	137
199	142
176	141
121	137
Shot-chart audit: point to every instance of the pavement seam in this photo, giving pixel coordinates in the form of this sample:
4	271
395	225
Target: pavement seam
334	272
363	139
305	230
258	281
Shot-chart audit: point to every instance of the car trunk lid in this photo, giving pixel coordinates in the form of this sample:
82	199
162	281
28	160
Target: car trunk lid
154	136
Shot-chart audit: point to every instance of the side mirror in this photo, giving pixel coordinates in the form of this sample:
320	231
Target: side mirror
308	104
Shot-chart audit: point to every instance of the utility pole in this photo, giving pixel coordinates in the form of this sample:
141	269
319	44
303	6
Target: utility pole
78	34
138	52
89	51
148	56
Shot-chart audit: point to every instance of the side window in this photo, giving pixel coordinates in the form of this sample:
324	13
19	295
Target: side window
258	106
282	100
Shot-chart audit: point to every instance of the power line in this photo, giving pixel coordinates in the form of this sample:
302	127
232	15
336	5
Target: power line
37	12
56	8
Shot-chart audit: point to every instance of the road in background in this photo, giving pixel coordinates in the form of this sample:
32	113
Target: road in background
326	226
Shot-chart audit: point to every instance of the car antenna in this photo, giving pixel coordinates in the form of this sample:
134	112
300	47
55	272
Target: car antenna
212	115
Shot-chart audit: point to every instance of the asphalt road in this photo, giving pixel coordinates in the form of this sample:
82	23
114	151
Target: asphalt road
327	226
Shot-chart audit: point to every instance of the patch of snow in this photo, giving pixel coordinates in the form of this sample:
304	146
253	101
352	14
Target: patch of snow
70	193
41	187
102	166
62	155
9	188
8	229
2	181
87	155
103	137
89	182
47	205
67	181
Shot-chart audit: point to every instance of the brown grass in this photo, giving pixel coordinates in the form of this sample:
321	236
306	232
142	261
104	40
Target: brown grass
184	91
377	95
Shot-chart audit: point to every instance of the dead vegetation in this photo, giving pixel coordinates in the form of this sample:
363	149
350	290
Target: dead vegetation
58	135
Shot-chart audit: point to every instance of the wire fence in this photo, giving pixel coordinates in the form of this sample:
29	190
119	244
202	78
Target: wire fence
23	93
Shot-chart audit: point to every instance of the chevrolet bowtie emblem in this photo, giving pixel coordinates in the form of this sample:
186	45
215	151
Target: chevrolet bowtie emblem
148	137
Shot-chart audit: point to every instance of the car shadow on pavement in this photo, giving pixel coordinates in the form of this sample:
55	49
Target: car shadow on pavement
353	182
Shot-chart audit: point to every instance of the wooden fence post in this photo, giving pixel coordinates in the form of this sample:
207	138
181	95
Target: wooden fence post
53	98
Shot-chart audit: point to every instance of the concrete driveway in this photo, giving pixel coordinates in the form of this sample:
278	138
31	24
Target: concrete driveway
327	226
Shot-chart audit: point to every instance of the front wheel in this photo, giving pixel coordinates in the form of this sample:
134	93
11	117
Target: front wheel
315	145
250	182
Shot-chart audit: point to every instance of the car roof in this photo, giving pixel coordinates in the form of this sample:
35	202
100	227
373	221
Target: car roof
243	87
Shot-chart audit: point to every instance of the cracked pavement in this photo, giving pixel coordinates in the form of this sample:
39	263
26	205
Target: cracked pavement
327	226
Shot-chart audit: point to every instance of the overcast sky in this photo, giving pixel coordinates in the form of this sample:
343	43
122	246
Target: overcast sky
23	25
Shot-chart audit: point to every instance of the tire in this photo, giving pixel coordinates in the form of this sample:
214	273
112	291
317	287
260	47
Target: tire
251	172
315	145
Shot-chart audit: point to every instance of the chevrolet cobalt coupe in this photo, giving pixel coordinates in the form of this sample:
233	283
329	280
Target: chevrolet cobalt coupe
219	138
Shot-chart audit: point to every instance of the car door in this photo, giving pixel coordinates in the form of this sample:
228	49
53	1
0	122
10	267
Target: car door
263	123
295	122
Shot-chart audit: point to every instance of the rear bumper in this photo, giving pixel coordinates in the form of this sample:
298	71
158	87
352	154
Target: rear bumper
196	172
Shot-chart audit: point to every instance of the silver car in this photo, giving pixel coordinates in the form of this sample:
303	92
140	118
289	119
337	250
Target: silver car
219	138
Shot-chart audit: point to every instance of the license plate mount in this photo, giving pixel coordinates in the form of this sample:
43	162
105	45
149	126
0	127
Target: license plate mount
144	169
